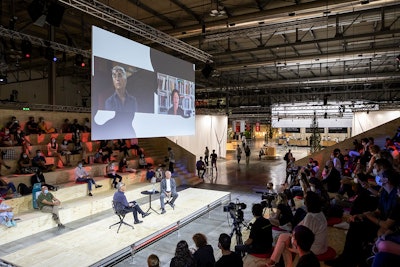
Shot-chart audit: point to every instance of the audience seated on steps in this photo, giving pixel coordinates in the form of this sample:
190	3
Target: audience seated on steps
5	186
21	140
6	215
66	126
25	164
6	138
123	166
112	173
42	126
38	177
53	151
81	176
48	203
64	150
40	161
31	127
13	125
2	162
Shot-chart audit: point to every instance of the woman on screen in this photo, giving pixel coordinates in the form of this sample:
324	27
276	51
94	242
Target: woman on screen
176	109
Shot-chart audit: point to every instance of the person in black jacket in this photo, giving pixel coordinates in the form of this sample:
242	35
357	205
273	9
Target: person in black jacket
38	177
204	255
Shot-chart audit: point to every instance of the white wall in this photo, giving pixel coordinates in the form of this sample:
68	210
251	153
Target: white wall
363	122
211	131
322	123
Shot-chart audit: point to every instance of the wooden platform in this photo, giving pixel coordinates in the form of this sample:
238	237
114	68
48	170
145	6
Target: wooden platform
96	244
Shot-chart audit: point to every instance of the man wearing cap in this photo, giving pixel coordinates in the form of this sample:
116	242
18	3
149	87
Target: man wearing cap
125	206
48	203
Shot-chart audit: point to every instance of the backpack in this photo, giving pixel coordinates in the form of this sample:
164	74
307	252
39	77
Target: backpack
23	189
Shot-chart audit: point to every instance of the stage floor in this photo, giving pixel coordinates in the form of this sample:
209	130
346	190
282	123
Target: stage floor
95	244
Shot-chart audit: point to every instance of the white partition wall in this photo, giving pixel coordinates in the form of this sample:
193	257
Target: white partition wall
211	131
363	121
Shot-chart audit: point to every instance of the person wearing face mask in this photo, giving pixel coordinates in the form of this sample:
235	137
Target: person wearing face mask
49	204
367	226
25	164
66	152
6	138
52	151
38	177
83	177
380	166
40	161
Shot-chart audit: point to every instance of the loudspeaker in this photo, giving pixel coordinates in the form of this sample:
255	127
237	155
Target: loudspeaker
206	71
55	14
35	9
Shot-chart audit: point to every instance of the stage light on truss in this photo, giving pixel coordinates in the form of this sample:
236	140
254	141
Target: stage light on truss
79	60
26	48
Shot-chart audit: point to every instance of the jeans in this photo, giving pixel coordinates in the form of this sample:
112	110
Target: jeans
89	181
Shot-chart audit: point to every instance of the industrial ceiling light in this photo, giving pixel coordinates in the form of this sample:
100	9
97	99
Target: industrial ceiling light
218	11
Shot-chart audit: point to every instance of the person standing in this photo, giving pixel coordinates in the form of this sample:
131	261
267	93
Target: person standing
171	158
168	189
214	157
238	154
247	153
206	155
204	255
48	203
201	168
125	207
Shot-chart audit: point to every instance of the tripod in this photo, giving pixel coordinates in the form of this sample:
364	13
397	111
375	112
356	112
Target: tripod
236	229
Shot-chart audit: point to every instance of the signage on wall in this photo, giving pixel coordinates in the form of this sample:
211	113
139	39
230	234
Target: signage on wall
310	130
291	130
337	130
257	126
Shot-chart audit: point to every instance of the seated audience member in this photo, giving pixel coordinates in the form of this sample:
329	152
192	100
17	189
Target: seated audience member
86	125
122	147
123	166
31	127
260	238
13	125
25	164
52	151
314	220
283	217
101	157
66	126
6	138
153	261
114	175
75	127
6	214
78	148
168	189
142	162
183	256
42	126
40	161
150	174
201	168
21	140
302	240
332	179
49	204
81	176
5	186
204	254
125	206
64	150
228	258
38	177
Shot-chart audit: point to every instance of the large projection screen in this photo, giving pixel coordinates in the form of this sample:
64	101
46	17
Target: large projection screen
137	91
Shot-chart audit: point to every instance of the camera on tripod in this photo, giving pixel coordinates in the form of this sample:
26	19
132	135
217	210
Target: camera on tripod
236	211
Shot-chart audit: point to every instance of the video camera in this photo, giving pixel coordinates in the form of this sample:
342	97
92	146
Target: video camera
236	211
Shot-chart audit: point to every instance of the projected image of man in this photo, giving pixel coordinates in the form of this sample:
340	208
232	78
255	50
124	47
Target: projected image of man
121	100
175	109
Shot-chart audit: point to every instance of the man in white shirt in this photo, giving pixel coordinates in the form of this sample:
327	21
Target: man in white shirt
168	189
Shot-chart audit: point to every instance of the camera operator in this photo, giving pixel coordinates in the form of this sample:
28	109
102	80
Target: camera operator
260	238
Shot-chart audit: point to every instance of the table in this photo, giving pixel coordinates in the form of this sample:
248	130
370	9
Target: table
150	193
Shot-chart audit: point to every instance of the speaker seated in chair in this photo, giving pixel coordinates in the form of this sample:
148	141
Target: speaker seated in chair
120	212
168	190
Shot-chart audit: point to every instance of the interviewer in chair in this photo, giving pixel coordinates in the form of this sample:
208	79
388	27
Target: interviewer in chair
168	189
125	206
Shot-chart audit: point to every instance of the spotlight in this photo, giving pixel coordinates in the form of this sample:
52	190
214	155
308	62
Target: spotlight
26	48
79	60
49	54
3	79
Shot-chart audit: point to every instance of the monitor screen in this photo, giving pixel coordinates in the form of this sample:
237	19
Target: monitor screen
137	91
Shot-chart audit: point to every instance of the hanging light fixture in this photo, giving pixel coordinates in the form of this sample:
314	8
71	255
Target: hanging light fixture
218	11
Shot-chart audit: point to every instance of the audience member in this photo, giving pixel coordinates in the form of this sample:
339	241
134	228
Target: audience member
114	176
86	125
153	261
38	177
13	125
25	164
302	240
201	168
124	167
6	214
43	127
333	177
168	189
40	161
238	154
150	173
101	157
81	176
171	158
66	126
260	238
125	206
49	204
5	186
142	162
31	127
52	151
283	217
183	256
2	162
6	138
64	150
21	140
204	255
228	258
122	147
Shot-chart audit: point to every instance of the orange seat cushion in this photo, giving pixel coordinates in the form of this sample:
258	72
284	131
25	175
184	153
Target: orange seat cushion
330	254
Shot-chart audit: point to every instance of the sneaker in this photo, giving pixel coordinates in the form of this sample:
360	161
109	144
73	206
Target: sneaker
13	223
137	222
98	185
9	224
163	211
342	225
172	205
90	195
145	214
61	226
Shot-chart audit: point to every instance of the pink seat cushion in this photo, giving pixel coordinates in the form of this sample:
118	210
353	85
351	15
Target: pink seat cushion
330	254
276	228
332	220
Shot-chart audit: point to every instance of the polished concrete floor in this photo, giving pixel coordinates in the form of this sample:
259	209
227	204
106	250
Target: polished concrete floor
239	179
